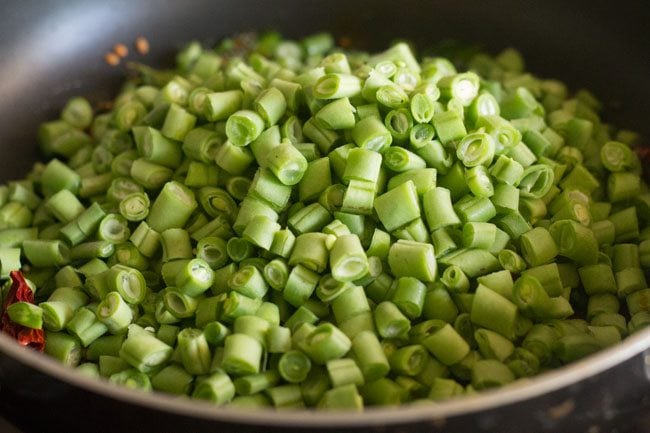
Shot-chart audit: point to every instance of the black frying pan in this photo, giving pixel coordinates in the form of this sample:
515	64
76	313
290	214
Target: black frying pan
52	50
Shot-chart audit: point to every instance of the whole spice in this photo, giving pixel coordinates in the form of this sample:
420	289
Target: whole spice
20	292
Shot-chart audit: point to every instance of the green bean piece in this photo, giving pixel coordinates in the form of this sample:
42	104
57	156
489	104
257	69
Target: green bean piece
63	347
598	278
580	178
64	205
135	206
145	239
233	159
300	285
476	149
244	126
540	341
455	279
359	197
220	105
422	108
409	209
409	295
438	304
444	388
194	277
252	384
324	343
353	325
617	156
338	114
626	224
44	253
575	241
107	345
315	180
639	321
412	259
638	301
150	175
348	261
287	163
88	369
294	366
494	312
114	312
216	388
571	347
201	144
324	139
286	396
86	326
441	340
57	176
350	303
473	262
475	209
248	281
14	237
78	112
300	316
449	126
266	187
194	351
26	314
157	148
438	209
178	122
173	379
242	354
343	372
490	373
370	133
538	246
370	356
92	249
409	360
172	208
514	224
278	339
312	251
433	153
110	365
83	225
493	345
335	86
283	241
505	199
523	363
127	254
9	261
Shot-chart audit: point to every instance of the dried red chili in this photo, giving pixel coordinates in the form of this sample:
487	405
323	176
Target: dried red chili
20	292
644	155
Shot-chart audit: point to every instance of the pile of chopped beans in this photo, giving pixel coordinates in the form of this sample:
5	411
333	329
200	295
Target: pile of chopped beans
294	224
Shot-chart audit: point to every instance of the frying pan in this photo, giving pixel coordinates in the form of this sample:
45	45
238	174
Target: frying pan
50	51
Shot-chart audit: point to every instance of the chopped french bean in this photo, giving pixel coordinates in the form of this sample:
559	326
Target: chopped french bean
298	225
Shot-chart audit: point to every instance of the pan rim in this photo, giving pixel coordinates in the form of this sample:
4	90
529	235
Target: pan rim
521	390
